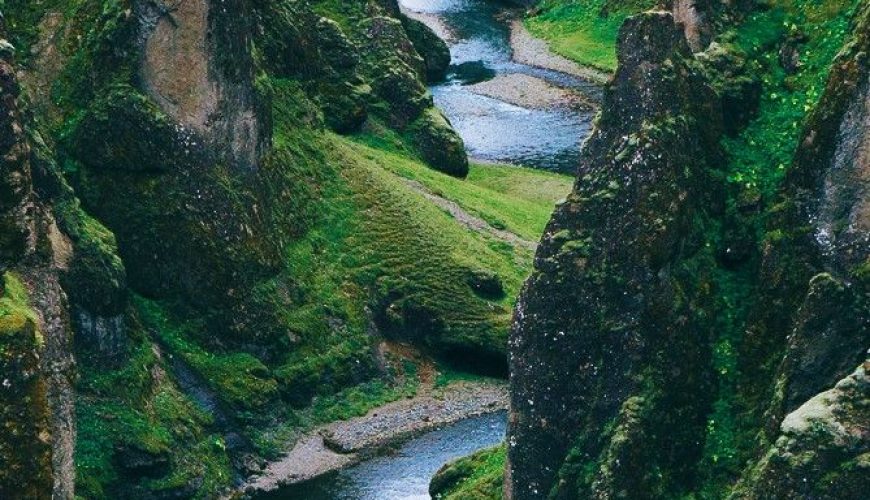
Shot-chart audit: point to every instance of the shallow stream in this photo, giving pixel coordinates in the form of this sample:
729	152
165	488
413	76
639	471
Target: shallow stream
494	130
405	473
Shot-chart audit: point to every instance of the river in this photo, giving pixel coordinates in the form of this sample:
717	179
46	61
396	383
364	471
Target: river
493	130
404	474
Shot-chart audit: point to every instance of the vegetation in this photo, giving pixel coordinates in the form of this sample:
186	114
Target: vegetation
149	426
477	477
243	304
749	275
761	154
585	31
759	158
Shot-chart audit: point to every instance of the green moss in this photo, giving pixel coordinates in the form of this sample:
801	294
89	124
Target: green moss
15	311
148	417
759	157
517	199
762	153
239	379
448	374
24	411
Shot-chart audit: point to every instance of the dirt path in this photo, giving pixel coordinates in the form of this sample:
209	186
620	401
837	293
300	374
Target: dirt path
470	221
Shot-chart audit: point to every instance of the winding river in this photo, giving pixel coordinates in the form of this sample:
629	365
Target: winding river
478	33
546	137
404	474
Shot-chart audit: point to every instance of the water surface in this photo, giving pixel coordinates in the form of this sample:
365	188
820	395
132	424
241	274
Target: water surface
494	130
404	474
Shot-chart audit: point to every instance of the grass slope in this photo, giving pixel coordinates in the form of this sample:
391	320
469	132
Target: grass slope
585	31
369	244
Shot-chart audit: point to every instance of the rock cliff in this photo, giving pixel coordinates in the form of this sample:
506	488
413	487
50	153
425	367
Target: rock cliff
606	338
36	363
684	333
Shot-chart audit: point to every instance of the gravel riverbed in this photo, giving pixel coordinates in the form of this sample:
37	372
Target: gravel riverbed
345	443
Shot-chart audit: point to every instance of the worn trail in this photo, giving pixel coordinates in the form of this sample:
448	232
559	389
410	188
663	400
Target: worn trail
468	220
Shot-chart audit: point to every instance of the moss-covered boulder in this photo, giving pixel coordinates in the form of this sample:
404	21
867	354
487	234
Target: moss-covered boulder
125	130
439	144
479	476
433	50
822	449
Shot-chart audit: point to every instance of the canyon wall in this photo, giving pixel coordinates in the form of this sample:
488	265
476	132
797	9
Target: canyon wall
684	333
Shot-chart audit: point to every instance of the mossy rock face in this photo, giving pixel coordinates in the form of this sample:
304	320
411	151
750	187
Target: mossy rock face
811	274
298	43
763	291
607	291
344	104
433	50
124	130
735	81
822	448
15	182
25	443
399	86
389	40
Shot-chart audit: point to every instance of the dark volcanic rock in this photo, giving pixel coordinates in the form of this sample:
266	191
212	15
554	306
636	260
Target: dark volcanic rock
607	357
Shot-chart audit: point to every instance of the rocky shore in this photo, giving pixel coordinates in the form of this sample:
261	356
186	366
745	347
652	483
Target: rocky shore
531	92
535	52
341	444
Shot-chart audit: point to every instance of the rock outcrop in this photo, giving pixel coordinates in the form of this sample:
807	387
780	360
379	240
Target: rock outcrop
816	276
606	347
620	335
36	363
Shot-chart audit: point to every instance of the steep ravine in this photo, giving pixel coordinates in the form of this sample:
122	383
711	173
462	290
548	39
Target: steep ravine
228	227
342	460
213	215
698	322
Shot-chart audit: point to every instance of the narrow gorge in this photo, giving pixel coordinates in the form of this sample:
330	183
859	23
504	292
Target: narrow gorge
458	249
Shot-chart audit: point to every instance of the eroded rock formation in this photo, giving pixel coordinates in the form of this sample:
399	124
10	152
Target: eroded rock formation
606	348
616	346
